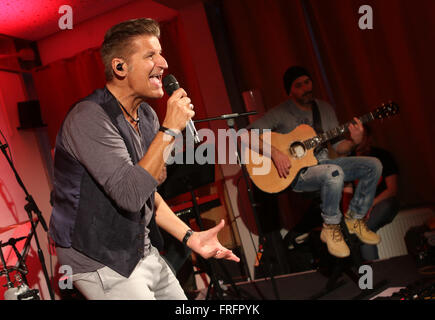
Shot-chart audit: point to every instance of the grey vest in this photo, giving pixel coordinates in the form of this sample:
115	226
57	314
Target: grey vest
85	218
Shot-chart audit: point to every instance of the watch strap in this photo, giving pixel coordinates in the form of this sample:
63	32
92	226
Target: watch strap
168	131
187	236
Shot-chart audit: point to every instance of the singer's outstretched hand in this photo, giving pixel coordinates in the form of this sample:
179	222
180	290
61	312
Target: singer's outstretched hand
207	244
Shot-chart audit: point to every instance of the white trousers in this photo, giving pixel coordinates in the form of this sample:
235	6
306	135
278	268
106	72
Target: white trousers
152	279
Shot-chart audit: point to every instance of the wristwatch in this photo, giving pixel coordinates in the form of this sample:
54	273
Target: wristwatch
187	236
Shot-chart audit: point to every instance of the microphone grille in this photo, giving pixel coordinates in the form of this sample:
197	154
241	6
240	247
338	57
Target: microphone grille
170	84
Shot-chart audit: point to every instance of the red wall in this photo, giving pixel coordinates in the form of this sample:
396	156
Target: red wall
27	160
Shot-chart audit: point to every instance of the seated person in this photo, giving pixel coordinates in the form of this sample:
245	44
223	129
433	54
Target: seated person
385	204
329	175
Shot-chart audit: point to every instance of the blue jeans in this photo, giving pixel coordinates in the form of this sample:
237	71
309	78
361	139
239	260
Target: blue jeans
329	177
382	214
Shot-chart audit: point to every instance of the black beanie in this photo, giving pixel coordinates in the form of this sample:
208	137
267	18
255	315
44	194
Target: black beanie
292	74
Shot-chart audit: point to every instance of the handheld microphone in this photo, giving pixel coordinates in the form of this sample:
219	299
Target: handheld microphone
171	84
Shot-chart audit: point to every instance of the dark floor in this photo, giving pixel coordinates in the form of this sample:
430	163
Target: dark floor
395	272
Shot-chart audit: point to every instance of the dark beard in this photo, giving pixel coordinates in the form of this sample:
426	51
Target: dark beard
307	99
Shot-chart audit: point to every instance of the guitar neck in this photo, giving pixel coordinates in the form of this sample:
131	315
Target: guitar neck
336	132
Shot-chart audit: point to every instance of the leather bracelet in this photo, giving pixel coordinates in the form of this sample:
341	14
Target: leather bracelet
187	236
168	131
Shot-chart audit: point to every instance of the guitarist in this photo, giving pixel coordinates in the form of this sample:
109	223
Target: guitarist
329	175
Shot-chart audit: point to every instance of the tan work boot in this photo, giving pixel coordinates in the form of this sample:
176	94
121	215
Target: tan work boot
332	236
359	227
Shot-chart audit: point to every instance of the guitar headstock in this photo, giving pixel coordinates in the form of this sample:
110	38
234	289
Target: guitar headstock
386	110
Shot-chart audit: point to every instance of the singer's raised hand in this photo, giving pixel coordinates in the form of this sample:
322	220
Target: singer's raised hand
178	110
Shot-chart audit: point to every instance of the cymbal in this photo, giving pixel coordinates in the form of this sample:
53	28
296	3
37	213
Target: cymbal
13	226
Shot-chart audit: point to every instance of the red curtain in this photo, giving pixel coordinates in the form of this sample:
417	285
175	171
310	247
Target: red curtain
267	37
62	83
363	68
394	61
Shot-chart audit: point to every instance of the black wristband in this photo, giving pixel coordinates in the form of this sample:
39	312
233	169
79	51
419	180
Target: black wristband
187	236
168	131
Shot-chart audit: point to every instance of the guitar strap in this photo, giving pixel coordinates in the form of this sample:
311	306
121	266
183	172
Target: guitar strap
317	124
317	121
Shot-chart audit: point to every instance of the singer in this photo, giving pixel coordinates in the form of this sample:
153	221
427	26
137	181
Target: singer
109	160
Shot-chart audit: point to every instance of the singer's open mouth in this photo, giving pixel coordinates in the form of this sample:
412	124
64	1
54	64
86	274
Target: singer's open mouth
158	76
156	80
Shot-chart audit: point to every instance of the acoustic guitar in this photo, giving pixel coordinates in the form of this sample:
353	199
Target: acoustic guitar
299	145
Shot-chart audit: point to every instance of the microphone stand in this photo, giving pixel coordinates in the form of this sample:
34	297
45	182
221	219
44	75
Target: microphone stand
22	292
231	124
31	207
228	117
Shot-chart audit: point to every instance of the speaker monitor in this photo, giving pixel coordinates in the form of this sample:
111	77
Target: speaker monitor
29	114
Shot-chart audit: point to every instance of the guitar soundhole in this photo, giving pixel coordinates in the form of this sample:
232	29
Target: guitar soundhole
297	150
